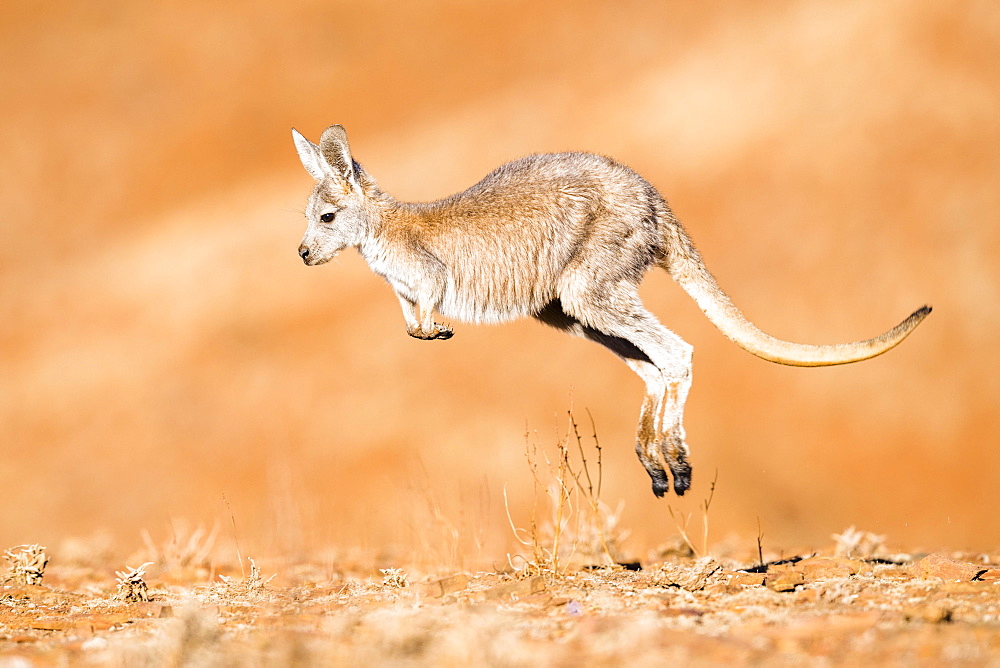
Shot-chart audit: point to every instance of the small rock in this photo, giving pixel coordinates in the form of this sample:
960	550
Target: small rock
106	620
691	578
824	568
784	580
931	613
809	595
940	566
746	579
518	589
51	624
444	586
968	587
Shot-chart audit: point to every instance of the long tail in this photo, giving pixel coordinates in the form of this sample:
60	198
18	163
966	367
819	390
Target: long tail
686	266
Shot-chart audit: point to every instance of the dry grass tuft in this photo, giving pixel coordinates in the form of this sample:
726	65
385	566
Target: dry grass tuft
132	585
394	578
253	587
570	524
188	547
859	544
27	564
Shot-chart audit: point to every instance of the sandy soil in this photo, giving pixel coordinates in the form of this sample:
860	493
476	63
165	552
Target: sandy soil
826	610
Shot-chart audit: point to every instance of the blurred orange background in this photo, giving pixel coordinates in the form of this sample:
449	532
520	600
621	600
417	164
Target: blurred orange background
163	346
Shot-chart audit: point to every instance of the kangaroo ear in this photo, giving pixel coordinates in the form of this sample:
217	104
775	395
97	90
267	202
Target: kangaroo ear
337	153
310	156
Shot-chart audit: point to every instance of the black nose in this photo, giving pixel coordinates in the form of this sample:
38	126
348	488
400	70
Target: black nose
303	252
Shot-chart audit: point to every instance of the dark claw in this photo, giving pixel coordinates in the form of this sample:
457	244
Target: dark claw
682	477
661	485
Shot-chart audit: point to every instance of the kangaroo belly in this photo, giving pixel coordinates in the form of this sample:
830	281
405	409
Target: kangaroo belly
495	298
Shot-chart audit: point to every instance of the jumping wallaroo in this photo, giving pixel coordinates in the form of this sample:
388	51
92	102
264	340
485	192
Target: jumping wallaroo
564	238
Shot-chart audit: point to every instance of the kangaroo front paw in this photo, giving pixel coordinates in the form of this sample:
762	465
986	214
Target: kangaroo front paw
435	332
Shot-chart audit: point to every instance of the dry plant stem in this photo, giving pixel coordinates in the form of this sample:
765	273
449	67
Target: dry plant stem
510	520
561	499
593	499
706	504
535	542
682	529
682	526
532	543
236	535
544	559
760	541
597	446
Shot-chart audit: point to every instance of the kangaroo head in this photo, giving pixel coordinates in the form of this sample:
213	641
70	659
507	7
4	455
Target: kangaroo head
338	210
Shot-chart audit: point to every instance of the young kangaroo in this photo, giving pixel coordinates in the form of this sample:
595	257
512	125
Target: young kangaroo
564	238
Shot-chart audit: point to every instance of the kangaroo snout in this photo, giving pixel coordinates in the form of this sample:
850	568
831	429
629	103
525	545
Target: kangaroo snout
314	254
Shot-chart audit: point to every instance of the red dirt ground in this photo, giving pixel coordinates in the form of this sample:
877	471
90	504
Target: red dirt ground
833	610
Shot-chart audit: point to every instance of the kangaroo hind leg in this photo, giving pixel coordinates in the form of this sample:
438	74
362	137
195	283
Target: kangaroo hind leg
661	419
650	439
665	366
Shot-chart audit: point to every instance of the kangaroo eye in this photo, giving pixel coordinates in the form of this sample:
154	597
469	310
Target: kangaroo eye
327	217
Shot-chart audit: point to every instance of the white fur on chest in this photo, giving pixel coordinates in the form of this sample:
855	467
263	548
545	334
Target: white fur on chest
494	302
403	278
